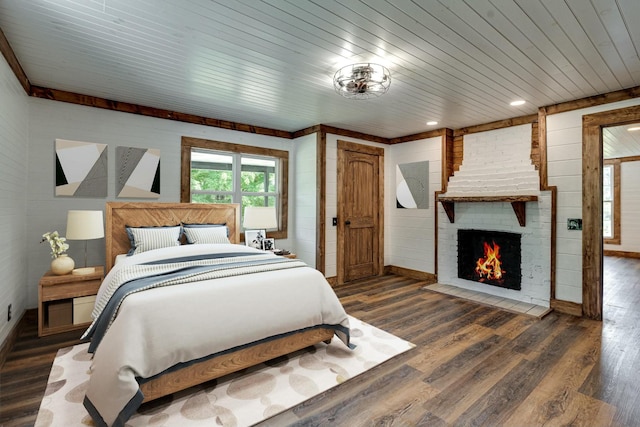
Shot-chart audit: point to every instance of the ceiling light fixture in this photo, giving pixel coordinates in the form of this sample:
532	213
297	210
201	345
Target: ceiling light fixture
517	103
432	123
633	129
362	81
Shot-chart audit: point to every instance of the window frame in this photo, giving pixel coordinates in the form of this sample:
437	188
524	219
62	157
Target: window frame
189	143
615	169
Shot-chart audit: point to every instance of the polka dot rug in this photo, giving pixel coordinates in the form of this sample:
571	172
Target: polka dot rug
240	399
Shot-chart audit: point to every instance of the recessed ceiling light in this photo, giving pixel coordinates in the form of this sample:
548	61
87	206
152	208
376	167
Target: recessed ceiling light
516	103
432	123
633	129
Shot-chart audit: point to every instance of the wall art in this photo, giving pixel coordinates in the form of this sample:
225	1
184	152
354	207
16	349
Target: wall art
412	185
138	171
81	169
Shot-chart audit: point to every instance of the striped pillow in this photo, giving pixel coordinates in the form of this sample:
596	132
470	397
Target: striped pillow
215	234
144	239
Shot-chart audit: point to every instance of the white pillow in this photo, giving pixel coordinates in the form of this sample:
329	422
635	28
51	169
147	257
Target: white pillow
203	235
144	239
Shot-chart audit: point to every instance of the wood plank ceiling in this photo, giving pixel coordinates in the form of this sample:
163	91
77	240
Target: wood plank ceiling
270	63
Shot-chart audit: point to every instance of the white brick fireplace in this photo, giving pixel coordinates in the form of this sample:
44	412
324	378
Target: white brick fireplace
497	164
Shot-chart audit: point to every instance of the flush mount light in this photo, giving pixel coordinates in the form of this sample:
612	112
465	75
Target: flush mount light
517	103
432	123
633	129
362	81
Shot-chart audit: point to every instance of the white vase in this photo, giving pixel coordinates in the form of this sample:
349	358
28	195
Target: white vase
63	264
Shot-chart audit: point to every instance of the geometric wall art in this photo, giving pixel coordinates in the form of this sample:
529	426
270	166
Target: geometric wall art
138	171
412	184
81	169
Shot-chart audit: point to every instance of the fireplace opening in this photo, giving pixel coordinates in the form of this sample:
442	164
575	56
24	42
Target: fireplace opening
490	257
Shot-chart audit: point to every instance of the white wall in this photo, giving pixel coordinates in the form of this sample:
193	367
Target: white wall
564	167
410	233
629	208
304	198
50	120
14	120
331	199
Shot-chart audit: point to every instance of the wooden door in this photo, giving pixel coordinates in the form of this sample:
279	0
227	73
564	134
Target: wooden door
360	211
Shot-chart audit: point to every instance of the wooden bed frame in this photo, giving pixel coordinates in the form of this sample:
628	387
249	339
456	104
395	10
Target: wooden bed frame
136	214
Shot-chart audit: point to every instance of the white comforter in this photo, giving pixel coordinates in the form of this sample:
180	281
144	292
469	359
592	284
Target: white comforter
161	327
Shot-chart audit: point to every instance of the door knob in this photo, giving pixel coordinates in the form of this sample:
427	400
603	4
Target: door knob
347	222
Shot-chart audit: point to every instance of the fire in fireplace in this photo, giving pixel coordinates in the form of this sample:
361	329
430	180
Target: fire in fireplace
491	257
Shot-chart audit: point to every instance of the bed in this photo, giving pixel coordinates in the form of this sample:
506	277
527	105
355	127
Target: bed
218	308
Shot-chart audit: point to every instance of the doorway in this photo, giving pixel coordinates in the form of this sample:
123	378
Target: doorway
592	203
360	211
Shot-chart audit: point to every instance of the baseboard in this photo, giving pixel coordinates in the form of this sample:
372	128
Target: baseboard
567	307
8	343
412	274
622	254
333	281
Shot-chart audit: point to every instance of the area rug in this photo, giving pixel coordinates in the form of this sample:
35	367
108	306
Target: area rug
241	399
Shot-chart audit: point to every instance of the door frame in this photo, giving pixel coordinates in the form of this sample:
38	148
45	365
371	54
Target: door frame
592	245
366	149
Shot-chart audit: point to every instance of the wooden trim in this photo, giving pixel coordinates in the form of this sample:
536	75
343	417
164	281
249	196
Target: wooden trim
592	250
617	220
13	62
592	101
500	124
621	254
333	281
542	148
306	131
554	228
353	134
360	148
446	156
11	338
567	307
416	136
126	107
188	143
625	159
430	278
321	200
228	363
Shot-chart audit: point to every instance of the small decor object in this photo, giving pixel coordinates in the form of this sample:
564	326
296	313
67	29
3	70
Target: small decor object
81	169
268	244
61	263
138	172
254	238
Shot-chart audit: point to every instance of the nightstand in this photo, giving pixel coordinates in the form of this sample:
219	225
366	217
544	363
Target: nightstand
56	297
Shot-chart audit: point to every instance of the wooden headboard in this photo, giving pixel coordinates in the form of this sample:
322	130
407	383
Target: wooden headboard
138	214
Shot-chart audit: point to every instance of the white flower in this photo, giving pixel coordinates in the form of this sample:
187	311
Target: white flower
58	244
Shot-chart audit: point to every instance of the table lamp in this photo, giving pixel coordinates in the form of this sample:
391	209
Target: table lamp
259	219
84	225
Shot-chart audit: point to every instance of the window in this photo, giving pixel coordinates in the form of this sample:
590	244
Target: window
218	172
611	202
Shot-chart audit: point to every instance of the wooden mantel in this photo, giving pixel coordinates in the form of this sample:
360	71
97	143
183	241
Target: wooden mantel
517	202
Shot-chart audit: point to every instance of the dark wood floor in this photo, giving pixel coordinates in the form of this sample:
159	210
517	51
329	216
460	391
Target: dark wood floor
473	364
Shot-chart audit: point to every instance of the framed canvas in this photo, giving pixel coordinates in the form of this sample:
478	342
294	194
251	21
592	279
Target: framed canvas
268	244
254	238
81	169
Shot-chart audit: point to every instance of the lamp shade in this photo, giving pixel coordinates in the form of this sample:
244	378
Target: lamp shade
258	217
84	225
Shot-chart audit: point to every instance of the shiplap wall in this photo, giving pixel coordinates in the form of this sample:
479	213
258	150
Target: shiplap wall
14	120
50	120
305	190
564	167
629	208
410	233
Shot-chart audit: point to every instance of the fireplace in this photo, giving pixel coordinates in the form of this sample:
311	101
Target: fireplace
490	257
